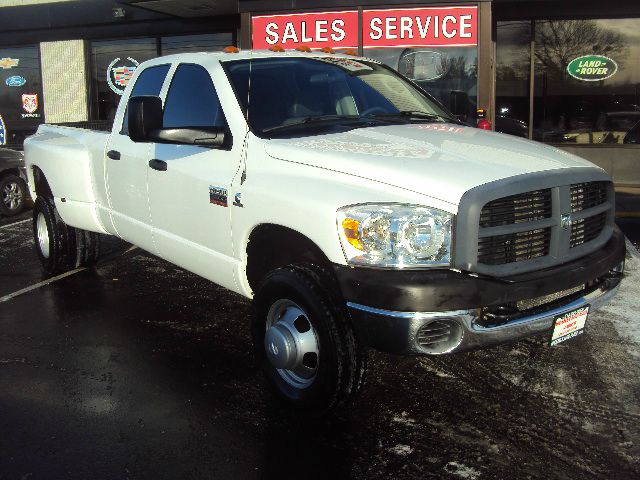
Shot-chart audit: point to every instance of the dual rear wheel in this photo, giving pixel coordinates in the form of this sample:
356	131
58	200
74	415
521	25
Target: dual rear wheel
60	247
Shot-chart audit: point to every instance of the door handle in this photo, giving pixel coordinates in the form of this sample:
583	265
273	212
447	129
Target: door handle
159	165
113	155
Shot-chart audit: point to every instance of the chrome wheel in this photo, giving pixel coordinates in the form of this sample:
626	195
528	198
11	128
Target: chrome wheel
12	196
43	235
291	344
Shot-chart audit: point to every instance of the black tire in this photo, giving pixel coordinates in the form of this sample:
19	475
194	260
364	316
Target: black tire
13	195
341	363
67	247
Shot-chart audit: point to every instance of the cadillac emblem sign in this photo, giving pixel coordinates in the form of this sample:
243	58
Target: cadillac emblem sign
119	72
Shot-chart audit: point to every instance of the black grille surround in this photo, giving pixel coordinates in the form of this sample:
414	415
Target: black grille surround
535	221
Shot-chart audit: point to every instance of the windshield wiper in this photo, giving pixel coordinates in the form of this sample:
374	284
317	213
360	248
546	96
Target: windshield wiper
319	119
410	114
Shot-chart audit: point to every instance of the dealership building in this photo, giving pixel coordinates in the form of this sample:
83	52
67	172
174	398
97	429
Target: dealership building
564	73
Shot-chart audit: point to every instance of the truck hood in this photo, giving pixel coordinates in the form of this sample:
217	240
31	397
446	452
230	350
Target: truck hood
442	161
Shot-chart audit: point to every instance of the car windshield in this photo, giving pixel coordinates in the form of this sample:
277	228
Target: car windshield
294	95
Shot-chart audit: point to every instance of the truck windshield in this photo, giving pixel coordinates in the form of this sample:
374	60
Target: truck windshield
296	95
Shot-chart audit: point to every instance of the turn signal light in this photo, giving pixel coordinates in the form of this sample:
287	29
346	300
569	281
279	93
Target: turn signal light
230	49
351	52
351	229
276	48
327	50
303	48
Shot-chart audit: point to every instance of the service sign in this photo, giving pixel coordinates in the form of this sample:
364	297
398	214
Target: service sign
420	27
314	30
592	68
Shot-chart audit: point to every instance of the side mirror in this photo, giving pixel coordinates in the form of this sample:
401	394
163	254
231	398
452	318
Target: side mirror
145	116
459	103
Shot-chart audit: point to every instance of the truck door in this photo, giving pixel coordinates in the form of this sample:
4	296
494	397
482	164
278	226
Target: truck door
126	169
190	186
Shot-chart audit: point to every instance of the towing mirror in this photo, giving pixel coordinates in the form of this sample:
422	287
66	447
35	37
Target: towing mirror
459	103
145	125
145	116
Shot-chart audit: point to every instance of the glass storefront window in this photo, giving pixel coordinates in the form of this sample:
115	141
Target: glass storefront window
21	102
195	43
513	72
450	74
113	64
587	81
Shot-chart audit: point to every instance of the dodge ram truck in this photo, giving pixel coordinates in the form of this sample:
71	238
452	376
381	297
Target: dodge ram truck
347	203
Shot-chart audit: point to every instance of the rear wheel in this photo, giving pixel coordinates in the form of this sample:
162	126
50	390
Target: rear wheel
304	341
60	247
13	195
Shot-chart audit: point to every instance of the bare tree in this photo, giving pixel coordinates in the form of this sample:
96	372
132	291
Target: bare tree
560	41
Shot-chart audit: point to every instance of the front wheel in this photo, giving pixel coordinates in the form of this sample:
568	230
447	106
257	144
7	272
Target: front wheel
304	341
13	195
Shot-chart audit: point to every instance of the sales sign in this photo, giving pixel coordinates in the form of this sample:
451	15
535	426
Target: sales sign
381	28
420	27
314	30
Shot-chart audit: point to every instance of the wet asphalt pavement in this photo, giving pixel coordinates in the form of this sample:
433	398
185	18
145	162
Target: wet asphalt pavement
138	369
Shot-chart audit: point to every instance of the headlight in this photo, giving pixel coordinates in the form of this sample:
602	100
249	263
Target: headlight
389	235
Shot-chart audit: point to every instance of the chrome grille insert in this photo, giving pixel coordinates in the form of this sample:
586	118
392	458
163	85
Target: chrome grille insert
587	195
514	247
523	207
587	229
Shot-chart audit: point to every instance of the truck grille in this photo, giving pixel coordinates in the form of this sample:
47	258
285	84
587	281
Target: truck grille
587	229
514	247
520	227
524	207
588	195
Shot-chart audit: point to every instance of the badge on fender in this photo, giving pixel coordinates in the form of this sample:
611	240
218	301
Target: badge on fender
218	196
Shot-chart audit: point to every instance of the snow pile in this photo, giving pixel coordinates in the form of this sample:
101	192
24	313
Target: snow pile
623	309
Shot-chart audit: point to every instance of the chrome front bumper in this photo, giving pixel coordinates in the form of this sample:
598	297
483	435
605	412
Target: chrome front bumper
400	332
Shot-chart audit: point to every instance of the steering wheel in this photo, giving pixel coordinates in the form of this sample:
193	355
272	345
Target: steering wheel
372	110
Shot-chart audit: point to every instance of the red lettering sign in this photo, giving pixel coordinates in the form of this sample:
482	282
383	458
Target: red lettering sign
420	27
314	30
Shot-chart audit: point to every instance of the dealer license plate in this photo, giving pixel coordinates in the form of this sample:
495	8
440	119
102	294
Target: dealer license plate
569	325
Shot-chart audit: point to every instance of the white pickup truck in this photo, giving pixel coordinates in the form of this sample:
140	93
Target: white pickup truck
351	206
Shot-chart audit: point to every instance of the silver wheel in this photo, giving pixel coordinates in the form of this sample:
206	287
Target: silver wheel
12	196
43	235
291	344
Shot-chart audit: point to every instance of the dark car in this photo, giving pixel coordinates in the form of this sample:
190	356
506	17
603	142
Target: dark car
13	185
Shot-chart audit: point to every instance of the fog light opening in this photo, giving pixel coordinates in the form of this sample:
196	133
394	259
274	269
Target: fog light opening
439	336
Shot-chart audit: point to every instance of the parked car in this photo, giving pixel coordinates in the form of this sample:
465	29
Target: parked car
354	211
13	186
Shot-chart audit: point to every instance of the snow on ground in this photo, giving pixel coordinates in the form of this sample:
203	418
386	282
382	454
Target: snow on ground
623	309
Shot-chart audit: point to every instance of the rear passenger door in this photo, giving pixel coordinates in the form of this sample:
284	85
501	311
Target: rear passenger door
126	169
190	200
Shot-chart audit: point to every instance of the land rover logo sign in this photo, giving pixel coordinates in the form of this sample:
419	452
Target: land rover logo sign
592	68
120	72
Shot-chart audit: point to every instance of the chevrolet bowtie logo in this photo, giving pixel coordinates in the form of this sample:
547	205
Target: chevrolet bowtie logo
7	62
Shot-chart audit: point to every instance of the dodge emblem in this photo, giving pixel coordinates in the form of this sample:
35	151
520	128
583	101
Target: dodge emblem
565	220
